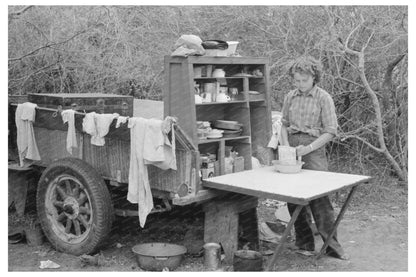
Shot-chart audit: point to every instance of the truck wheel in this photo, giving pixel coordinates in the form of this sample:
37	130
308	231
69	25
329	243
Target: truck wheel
74	206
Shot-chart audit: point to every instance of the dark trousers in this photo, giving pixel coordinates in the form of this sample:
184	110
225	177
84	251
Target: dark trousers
322	210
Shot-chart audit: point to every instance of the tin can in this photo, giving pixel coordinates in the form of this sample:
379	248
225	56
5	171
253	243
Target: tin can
212	256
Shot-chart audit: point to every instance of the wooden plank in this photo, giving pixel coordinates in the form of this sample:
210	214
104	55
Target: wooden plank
219	60
52	145
122	104
299	188
182	105
210	112
166	88
148	109
221	103
222	218
200	196
205	141
221	226
221	156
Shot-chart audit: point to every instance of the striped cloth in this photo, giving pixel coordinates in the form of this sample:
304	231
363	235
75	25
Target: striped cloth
313	113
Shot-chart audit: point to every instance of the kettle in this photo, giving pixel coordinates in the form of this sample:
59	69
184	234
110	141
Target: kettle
218	73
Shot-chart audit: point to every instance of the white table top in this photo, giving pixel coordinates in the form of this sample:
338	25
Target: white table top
297	188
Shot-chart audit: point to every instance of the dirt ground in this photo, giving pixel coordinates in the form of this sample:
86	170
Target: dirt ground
374	233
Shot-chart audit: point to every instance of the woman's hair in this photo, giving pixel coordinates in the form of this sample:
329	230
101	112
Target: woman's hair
306	64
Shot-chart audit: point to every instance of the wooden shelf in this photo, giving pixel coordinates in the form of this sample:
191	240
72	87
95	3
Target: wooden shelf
203	141
257	100
230	77
221	103
252	111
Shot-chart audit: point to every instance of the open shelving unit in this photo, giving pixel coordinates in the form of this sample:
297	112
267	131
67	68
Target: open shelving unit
251	110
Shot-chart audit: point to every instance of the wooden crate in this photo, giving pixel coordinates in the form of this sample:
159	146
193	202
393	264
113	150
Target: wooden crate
88	102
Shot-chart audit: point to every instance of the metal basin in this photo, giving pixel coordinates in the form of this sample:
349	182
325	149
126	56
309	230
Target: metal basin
157	256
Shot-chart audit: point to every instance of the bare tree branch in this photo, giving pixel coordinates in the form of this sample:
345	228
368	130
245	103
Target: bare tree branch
343	138
368	41
46	46
20	11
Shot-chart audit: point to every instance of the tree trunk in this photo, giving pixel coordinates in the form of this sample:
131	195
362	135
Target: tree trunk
383	149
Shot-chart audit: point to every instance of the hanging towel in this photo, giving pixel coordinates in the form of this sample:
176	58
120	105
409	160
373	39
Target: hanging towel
98	125
139	187
71	138
276	133
88	124
153	141
103	122
121	119
26	142
159	151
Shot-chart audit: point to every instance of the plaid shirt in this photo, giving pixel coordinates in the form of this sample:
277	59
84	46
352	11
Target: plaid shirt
313	113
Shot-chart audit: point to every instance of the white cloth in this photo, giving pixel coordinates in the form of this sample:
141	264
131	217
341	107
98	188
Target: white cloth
71	138
276	133
98	125
26	142
139	187
149	144
120	120
159	151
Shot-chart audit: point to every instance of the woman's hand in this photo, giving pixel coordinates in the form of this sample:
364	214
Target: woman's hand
302	150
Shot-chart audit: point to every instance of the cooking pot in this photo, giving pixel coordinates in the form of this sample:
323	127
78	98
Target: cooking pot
214	44
228	124
157	256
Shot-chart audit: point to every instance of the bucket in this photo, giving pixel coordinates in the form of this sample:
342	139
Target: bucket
212	256
247	260
157	256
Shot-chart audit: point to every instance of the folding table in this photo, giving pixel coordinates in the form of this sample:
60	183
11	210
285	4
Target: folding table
299	188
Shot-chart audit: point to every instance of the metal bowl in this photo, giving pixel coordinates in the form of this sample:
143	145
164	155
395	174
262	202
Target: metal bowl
287	168
157	256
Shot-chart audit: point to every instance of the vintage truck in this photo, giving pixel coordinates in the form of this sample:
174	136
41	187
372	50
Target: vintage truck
78	195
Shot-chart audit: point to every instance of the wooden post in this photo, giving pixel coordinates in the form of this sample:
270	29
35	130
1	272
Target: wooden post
222	217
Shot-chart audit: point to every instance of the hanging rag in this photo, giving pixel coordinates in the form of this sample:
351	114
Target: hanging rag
159	150
120	120
71	138
149	144
98	125
139	188
26	142
276	133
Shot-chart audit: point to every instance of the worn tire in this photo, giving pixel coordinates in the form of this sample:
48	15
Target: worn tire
74	206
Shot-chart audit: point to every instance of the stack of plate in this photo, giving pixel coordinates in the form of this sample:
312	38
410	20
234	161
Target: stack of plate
215	133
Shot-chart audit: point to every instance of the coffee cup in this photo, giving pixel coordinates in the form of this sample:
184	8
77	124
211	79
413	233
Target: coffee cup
222	97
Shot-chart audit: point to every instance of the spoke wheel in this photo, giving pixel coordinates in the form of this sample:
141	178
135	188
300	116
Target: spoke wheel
68	205
74	206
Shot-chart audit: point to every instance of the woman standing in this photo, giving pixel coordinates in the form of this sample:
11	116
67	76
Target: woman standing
309	122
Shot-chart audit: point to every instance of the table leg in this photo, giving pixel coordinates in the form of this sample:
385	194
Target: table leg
282	241
337	221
